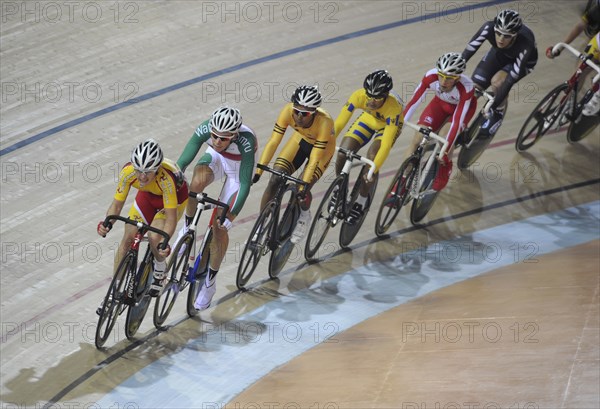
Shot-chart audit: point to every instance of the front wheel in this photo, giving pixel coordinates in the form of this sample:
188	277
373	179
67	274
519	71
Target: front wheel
583	125
325	217
349	231
474	146
396	196
201	270
112	305
423	203
541	119
256	246
179	265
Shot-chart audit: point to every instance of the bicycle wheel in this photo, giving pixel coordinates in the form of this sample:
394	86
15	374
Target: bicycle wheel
113	301
256	246
393	202
202	263
137	311
541	119
179	265
285	227
349	231
426	198
325	217
469	153
583	125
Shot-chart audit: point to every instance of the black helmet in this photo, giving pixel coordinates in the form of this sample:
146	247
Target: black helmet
378	84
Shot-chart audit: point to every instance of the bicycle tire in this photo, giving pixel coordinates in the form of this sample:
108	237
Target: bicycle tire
196	284
137	311
178	266
421	206
255	246
325	218
108	316
392	203
469	155
285	227
542	112
583	125
349	231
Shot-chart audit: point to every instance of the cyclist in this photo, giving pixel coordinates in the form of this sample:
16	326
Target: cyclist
230	155
454	101
160	200
513	55
589	23
593	50
313	139
381	121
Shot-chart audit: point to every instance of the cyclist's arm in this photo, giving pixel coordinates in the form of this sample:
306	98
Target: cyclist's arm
115	207
460	112
193	146
416	99
479	38
317	154
170	221
392	130
246	169
345	114
276	136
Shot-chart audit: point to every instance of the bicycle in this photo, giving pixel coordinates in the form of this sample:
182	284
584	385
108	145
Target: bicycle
130	284
473	142
561	106
413	181
182	273
272	232
336	206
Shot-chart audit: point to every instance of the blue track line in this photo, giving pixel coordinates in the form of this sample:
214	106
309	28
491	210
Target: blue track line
238	67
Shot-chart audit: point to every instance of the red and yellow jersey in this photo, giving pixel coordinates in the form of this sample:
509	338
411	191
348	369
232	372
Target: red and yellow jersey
168	179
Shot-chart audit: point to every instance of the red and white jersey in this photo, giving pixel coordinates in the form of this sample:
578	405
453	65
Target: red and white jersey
461	96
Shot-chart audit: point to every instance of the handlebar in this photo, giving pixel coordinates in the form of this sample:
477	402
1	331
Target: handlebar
283	175
489	103
212	203
582	56
428	133
354	155
141	226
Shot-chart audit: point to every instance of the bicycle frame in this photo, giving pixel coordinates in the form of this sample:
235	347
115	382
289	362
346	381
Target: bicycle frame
345	174
438	153
484	111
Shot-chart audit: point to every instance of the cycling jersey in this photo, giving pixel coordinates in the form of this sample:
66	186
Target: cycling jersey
241	150
593	47
461	96
517	60
591	17
320	135
389	118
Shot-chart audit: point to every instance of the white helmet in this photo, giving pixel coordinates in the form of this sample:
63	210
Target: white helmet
451	64
226	119
307	96
147	156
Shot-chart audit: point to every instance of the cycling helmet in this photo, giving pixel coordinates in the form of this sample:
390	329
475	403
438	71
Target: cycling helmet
147	156
226	119
508	21
378	84
308	96
451	64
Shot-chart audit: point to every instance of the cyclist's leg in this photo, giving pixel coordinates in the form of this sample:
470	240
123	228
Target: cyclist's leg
205	172
434	116
357	136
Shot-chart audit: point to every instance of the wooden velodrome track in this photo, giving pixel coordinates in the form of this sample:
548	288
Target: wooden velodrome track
385	332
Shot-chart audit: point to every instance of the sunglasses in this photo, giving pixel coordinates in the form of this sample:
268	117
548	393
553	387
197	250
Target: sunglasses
508	36
448	77
375	99
302	113
145	172
222	138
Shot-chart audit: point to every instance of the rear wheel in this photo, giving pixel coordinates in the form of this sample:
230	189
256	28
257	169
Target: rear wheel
112	305
583	125
179	265
256	246
137	312
324	218
287	224
349	231
202	263
396	196
541	119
